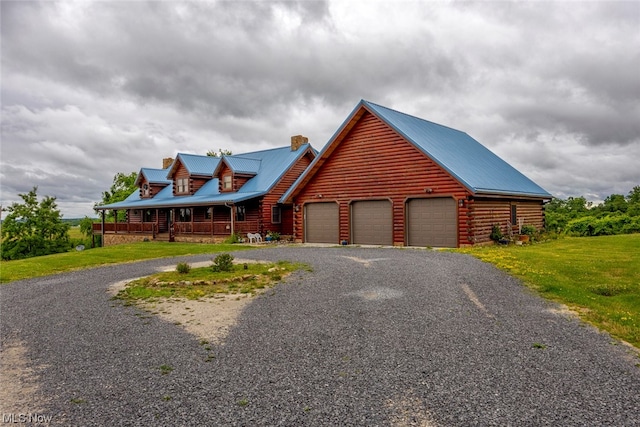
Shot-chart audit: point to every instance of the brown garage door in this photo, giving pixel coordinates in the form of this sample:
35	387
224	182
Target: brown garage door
321	223
372	222
432	222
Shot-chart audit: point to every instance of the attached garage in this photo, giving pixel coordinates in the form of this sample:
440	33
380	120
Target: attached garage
432	222
321	223
372	222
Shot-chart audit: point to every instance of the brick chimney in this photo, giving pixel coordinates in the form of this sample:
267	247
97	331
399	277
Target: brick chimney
297	141
166	162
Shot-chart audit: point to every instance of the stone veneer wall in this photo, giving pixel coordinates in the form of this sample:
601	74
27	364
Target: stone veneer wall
119	239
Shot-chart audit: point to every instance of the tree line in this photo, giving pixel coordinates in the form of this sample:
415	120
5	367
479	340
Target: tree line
576	216
35	227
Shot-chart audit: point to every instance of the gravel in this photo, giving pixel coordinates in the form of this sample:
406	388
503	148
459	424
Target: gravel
371	336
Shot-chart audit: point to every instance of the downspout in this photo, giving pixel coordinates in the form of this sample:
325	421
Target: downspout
232	215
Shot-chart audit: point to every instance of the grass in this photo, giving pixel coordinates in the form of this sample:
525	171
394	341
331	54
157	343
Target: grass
204	282
68	261
598	277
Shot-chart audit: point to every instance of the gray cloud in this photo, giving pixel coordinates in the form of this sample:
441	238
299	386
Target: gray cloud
90	89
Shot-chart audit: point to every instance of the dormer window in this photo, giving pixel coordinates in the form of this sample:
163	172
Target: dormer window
226	182
182	185
145	190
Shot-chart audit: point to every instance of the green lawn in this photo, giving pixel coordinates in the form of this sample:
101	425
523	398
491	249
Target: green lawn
599	277
58	263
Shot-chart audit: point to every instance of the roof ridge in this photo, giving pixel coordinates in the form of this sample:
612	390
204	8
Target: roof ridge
412	116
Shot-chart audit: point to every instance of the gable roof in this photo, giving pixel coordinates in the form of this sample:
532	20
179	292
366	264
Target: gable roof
465	159
195	164
269	166
240	165
153	176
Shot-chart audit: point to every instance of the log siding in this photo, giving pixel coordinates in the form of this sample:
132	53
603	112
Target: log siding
373	162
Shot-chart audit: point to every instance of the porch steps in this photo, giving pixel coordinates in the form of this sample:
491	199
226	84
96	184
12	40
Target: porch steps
162	237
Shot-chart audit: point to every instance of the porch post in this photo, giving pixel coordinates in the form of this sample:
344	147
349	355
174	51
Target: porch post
102	215
115	221
212	211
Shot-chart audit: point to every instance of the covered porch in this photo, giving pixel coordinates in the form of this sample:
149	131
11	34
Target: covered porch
206	223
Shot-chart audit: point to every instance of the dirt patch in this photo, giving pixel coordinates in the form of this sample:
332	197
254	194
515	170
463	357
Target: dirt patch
208	318
18	394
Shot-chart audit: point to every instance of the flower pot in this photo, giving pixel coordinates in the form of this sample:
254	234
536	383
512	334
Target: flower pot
524	238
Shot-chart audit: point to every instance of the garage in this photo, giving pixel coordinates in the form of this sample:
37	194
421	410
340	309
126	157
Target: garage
321	223
372	222
432	222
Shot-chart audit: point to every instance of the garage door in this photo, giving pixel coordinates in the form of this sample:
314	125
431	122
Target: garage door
432	222
321	223
372	222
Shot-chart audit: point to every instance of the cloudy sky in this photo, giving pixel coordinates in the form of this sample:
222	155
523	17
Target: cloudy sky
90	89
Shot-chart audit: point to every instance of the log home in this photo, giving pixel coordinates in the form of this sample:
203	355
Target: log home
206	199
388	178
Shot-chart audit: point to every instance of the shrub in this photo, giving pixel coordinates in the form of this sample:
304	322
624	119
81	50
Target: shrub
529	230
223	262
496	233
234	238
183	268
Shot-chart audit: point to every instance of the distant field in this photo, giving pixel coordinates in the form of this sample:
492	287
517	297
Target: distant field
598	277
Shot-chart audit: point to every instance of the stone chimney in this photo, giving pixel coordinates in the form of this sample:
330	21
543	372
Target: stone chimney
297	141
166	162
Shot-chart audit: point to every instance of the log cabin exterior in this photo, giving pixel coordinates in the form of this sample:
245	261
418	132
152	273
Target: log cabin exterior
388	178
206	199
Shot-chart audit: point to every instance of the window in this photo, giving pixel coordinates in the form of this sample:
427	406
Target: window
183	185
185	215
145	190
514	214
276	215
226	182
148	216
240	213
208	213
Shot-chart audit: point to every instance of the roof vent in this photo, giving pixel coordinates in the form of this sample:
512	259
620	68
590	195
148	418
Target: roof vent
297	141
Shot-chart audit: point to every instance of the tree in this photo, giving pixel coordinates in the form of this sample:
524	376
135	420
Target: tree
633	201
122	187
33	228
220	153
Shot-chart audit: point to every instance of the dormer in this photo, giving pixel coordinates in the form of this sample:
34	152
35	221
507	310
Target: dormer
151	181
234	171
190	172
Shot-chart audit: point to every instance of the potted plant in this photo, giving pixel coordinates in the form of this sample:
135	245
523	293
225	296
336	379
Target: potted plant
272	236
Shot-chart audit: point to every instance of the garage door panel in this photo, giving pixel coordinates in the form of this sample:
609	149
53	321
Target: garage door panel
432	222
372	222
321	223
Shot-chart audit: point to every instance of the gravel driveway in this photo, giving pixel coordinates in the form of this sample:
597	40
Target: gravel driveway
370	337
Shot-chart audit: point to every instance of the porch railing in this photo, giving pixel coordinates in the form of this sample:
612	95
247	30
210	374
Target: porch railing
216	228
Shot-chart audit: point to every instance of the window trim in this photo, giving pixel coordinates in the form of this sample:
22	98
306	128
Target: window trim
182	185
241	213
276	218
227	182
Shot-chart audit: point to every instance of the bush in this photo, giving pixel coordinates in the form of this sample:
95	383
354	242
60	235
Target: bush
496	233
605	226
183	268
234	238
223	262
529	230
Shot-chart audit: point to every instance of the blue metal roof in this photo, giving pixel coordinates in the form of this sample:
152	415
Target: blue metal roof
269	166
153	176
198	165
467	160
243	165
